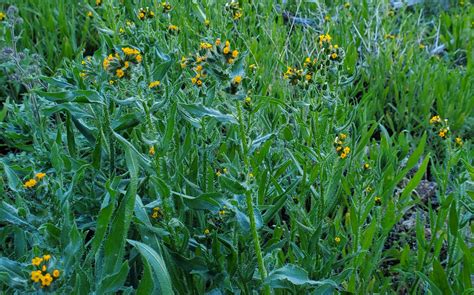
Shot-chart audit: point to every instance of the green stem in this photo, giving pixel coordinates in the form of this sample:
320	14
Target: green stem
250	208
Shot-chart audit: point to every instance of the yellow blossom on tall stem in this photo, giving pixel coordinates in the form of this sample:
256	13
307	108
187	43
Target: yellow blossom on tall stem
36	261
30	183
40	175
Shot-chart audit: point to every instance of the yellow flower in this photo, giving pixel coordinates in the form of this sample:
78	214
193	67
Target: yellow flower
141	15
248	100
347	150
126	64
334	55
230	60
205	45
138	58
46	257
343	155
347	5
30	183
46	280
308	77
218	173
443	132
458	141
199	83
227	43
2	16
198	68
237	79
218	41
154	84
120	73
235	53
337	240
36	276
253	66
98	2
173	28
366	166
151	151
89	14
207	231
327	18
82	74
207	22
378	201
421	46
130	51
43	268
121	30
251	175
435	119
226	50
56	273
193	80
237	15
225	170
40	175
36	261
111	82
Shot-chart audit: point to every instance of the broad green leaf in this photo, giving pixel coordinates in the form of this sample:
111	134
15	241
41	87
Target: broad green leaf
295	275
14	183
200	111
161	276
113	283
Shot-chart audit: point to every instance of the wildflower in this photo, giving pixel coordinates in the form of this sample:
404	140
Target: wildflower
366	166
308	77
89	14
334	55
157	213
121	30
235	53
347	150
225	170
120	73
459	141
327	18
46	280
251	175
207	231
343	155
2	16
151	151
226	50
205	45
230	60
198	68
166	7
56	273
222	212
237	79
36	261
435	120
82	74
144	13
369	189
391	13
378	200
337	240
421	46
443	132
199	83
173	28
218	41
183	62
46	257
248	100
98	2
218	173
36	276
111	82
154	84
30	183
237	15
347	5
253	67
44	268
207	22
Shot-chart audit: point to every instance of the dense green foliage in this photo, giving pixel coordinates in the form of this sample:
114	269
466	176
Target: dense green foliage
214	147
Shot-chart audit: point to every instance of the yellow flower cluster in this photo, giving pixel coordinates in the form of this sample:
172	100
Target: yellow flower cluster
229	54
443	129
173	29
205	45
234	10
154	84
119	65
324	39
41	275
197	80
34	181
339	143
144	13
166	7
157	213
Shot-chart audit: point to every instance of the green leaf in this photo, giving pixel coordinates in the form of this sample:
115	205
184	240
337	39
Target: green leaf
113	283
161	276
169	127
453	219
4	111
14	182
200	111
9	214
76	96
412	184
295	275
440	278
232	185
146	285
433	287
